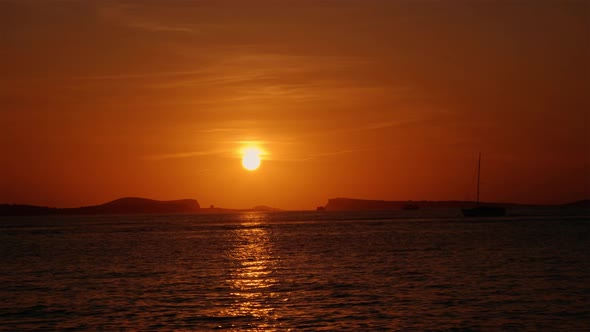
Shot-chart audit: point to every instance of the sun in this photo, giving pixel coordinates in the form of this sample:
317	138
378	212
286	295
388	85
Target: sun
251	158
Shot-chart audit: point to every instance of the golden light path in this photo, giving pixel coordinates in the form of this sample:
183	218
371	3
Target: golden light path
251	279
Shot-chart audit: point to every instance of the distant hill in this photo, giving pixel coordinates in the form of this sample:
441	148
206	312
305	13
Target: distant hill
353	204
127	205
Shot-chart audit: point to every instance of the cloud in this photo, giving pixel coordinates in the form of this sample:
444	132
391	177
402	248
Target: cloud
132	16
187	154
170	74
321	155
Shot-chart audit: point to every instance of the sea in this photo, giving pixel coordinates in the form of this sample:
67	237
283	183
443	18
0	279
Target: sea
296	271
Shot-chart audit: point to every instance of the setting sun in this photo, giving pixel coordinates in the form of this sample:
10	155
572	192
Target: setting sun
251	159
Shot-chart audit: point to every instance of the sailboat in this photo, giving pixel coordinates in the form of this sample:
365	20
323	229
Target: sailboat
483	210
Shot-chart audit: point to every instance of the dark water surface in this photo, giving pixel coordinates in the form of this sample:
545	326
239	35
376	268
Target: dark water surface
294	271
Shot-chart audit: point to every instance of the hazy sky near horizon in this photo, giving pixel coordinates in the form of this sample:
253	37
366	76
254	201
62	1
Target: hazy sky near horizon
366	99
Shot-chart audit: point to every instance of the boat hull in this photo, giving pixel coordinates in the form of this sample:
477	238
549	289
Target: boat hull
485	211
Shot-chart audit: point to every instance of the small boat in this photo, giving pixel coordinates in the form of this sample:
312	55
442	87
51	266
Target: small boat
410	207
483	210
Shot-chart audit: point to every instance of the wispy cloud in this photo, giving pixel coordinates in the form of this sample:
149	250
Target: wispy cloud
371	126
322	155
131	15
170	74
187	154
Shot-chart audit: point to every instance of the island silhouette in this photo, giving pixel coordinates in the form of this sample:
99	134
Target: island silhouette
354	204
138	205
126	205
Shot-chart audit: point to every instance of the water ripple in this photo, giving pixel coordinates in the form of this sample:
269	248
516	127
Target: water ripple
309	272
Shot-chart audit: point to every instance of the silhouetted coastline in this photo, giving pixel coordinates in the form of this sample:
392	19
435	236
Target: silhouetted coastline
126	205
354	204
137	205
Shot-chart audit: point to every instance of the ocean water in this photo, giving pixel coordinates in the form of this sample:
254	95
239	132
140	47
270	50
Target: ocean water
299	271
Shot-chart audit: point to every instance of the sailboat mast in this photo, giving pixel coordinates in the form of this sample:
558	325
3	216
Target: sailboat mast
478	172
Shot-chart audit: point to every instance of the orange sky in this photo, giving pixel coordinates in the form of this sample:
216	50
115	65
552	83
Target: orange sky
366	99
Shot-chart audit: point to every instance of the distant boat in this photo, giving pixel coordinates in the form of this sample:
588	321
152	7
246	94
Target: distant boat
410	207
483	210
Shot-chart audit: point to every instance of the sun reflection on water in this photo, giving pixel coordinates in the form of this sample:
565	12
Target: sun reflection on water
251	278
